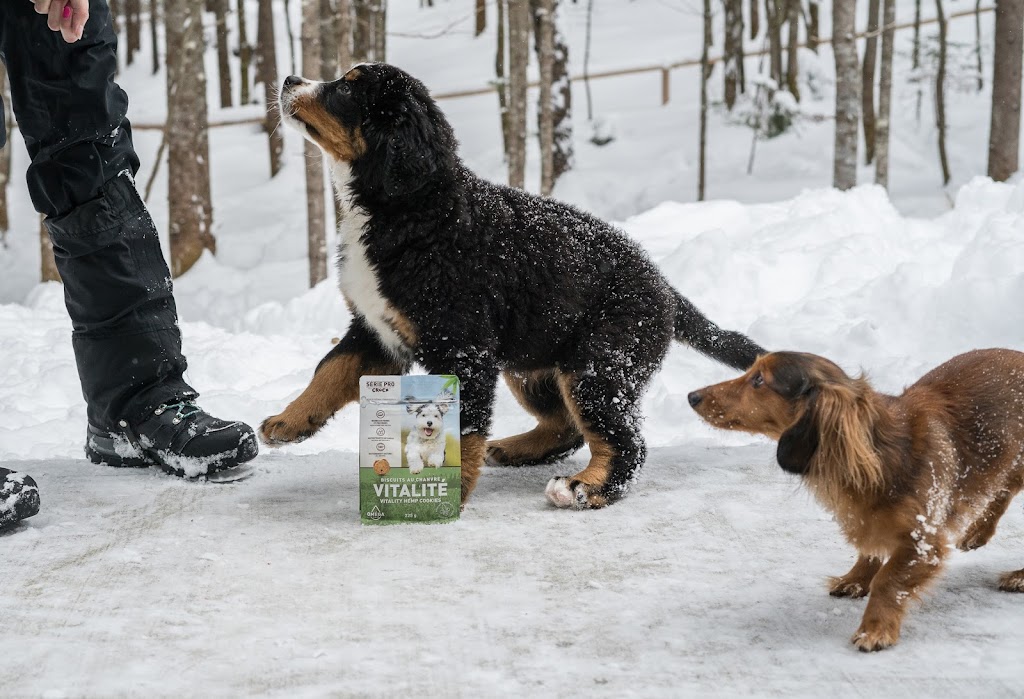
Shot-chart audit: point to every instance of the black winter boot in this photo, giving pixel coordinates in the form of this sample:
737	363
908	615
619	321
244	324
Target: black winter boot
19	497
180	437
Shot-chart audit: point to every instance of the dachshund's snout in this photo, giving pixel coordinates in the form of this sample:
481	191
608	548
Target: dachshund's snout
695	398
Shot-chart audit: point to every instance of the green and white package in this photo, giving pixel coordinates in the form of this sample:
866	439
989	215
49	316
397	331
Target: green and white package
410	456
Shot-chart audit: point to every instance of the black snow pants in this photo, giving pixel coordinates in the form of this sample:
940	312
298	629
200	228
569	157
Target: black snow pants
117	286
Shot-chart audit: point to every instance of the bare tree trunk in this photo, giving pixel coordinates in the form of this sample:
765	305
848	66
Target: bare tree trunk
315	231
48	265
220	8
940	92
844	45
501	78
380	52
266	73
867	89
586	59
5	157
561	104
154	33
915	57
519	56
481	17
977	44
133	22
733	53
343	28
368	35
1004	134
792	57
190	207
813	25
544	42
775	15
291	33
244	54
705	70
885	95
328	41
343	41
362	33
755	18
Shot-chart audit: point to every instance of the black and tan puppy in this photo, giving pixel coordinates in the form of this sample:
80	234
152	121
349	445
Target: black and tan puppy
905	476
475	279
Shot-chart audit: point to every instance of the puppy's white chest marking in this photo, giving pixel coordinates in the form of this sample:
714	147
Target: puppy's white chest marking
357	276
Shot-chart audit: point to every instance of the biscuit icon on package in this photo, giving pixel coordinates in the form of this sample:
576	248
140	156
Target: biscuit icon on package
381	467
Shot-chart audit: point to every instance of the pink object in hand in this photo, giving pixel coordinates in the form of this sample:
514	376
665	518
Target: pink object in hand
67	11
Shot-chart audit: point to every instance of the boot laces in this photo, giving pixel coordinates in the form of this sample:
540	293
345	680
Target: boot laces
184	409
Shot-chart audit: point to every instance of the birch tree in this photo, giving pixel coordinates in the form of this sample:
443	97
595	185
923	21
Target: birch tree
519	56
885	95
844	45
315	230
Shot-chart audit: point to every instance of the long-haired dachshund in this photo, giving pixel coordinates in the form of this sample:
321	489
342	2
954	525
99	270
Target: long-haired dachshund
905	476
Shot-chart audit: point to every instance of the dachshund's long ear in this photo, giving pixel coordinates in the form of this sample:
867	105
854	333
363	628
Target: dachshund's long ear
847	414
798	444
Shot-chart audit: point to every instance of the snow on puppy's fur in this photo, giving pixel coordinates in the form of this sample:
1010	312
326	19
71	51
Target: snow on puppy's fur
425	444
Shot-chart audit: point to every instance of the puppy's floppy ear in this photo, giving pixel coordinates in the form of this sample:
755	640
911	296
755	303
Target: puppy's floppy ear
411	406
798	444
443	407
412	154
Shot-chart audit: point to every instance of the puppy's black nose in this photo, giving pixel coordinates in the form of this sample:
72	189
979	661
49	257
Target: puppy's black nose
695	398
292	80
430	423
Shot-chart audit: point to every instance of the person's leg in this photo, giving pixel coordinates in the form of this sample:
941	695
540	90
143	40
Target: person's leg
117	286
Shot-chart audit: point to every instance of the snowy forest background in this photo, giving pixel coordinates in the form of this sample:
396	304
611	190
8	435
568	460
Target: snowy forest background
599	103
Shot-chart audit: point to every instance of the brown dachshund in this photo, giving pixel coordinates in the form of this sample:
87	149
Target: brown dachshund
905	476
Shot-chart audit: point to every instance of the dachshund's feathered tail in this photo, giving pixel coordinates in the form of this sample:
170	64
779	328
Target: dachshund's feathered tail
725	346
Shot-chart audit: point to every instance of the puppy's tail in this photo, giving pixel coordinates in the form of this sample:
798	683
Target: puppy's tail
726	346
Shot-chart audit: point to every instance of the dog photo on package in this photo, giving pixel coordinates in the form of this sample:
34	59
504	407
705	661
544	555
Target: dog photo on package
410	458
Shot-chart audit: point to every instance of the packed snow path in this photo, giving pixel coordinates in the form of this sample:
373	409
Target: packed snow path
709	579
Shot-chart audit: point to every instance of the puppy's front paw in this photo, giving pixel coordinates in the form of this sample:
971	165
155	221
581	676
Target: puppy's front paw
289	427
876	636
564	492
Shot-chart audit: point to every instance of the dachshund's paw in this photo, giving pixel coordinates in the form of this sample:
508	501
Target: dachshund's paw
975	537
876	636
1012	582
842	587
566	492
288	427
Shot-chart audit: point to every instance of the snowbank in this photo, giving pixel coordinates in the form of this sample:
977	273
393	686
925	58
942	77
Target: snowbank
840	274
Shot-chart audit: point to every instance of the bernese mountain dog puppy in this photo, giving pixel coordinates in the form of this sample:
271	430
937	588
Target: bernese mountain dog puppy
479	280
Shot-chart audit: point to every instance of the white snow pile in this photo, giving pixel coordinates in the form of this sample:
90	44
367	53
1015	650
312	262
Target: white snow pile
708	579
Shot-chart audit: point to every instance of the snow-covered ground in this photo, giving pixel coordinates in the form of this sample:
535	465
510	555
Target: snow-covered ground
707	580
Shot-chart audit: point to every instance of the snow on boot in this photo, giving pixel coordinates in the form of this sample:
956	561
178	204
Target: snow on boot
19	497
181	438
